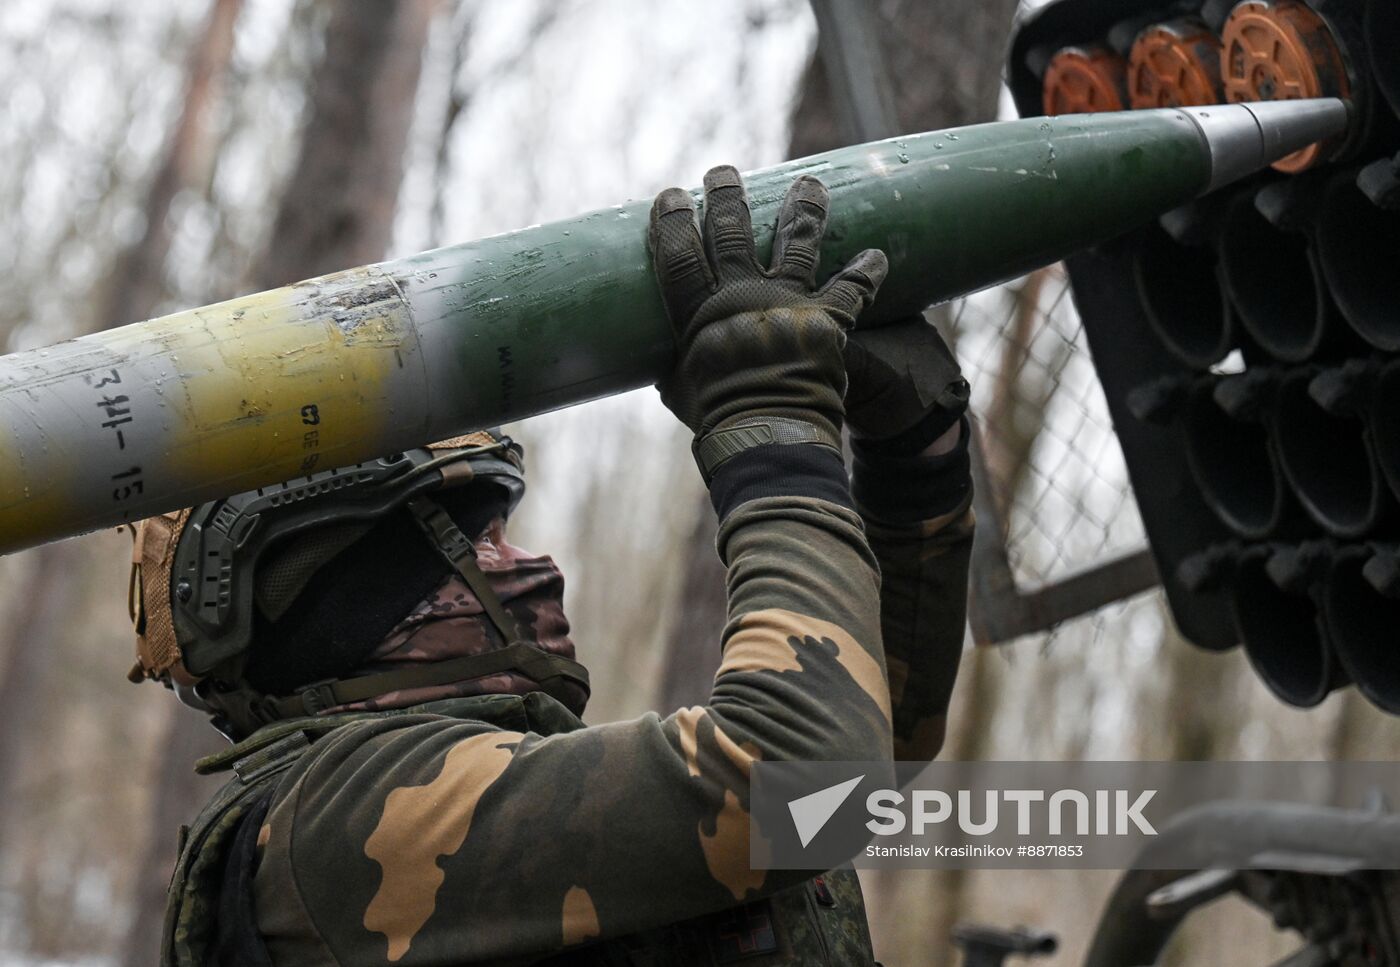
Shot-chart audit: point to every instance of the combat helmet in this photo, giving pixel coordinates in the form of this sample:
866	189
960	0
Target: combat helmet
252	607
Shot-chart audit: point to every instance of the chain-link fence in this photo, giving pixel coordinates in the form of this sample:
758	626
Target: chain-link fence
1061	534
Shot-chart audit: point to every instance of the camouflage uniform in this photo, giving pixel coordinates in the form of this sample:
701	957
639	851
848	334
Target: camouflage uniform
498	829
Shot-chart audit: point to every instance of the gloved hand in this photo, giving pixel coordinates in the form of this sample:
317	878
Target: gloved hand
905	391
758	353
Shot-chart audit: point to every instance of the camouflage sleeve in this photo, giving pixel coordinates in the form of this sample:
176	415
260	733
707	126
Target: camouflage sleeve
417	840
918	517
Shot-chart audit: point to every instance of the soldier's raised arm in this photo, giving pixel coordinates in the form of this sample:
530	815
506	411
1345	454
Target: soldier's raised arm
419	840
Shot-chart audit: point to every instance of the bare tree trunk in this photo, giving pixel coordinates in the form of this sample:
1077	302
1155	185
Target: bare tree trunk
338	211
136	285
25	659
176	795
944	62
458	101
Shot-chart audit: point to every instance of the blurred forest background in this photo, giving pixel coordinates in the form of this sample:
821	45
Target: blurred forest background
163	155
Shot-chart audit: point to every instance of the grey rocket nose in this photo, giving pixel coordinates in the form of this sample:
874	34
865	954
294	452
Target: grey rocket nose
1245	138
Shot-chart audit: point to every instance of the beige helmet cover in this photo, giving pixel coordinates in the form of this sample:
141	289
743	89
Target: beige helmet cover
152	556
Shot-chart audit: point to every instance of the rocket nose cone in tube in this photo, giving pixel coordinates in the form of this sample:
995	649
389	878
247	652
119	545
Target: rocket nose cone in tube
1245	138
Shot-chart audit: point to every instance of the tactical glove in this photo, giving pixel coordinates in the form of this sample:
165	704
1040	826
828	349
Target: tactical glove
905	387
758	353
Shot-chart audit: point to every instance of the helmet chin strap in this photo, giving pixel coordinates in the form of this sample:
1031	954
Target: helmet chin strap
247	710
444	534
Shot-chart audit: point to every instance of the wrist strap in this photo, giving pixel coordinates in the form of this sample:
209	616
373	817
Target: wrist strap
714	448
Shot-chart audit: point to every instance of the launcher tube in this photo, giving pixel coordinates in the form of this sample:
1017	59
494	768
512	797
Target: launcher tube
163	414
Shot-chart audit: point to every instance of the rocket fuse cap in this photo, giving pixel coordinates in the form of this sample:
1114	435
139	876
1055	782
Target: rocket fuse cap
1174	64
1085	80
1245	138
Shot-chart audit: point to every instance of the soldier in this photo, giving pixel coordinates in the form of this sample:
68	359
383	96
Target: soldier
411	782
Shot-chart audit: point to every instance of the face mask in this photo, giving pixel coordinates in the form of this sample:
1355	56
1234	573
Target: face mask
450	623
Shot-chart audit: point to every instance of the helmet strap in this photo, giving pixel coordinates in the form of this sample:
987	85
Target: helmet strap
444	534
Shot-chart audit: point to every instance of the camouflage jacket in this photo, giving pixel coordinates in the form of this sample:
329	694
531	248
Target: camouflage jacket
507	833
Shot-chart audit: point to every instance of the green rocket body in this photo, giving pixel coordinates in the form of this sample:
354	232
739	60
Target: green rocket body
163	414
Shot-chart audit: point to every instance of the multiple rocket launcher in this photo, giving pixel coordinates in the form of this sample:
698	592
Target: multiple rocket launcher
1270	490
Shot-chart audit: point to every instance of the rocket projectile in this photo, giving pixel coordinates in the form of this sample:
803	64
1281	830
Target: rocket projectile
163	414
